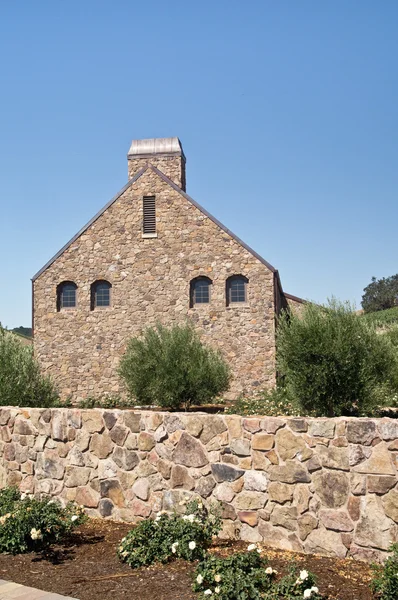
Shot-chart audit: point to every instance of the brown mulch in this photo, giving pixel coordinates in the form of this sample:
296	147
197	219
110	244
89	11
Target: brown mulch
86	567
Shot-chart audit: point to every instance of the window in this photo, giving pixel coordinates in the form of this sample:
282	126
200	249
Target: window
149	211
100	294
236	289
200	291
66	295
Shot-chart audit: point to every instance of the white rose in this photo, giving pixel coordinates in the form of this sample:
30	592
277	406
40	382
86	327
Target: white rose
251	547
199	579
207	592
192	545
74	518
217	590
314	589
303	575
217	578
269	570
307	594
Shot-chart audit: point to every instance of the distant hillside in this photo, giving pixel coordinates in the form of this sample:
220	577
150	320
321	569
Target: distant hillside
383	318
24	331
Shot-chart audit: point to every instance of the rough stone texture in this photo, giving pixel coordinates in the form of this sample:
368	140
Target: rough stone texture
150	277
127	465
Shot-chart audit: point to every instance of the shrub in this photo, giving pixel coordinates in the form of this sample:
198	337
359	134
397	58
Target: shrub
171	536
245	575
28	524
272	403
172	368
21	383
382	318
385	578
332	360
296	584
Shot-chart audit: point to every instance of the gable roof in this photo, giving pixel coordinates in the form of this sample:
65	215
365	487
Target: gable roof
177	189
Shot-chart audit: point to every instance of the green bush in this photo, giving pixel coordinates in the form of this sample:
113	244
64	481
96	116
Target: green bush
296	584
245	575
171	536
28	524
385	577
172	368
332	361
21	383
249	577
382	318
272	403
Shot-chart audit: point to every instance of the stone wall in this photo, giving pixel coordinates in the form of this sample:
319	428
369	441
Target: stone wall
315	485
80	348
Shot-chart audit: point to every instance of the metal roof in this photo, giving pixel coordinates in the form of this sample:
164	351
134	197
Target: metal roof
155	146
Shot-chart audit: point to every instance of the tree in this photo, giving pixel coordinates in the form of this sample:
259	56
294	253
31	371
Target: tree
332	360
170	367
380	294
21	383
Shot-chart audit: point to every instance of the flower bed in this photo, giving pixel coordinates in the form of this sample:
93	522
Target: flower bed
87	567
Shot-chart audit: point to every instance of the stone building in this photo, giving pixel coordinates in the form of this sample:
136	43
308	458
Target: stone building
153	254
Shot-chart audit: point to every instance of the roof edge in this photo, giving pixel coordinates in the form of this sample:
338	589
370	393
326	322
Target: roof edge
212	218
295	298
90	222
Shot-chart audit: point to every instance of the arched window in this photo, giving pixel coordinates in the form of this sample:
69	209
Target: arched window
66	295
100	294
236	289
200	291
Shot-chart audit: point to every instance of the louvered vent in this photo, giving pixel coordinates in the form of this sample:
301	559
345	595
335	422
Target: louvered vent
149	215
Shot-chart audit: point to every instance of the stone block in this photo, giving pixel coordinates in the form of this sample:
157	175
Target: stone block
332	487
141	489
361	431
321	428
180	478
250	501
101	445
291	472
262	441
336	520
255	481
190	452
280	492
222	472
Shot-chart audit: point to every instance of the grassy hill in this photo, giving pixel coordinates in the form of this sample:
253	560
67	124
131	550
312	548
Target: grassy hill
383	318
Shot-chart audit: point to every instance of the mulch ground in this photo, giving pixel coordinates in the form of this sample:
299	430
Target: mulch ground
86	567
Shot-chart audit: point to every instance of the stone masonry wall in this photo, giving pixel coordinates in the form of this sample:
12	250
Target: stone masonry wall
316	485
80	348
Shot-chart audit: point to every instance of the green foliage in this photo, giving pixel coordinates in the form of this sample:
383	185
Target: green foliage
104	402
380	294
271	403
28	524
172	368
247	576
332	360
171	536
21	383
382	318
385	577
24	331
243	576
296	584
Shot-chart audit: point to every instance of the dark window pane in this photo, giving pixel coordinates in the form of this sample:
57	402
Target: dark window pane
237	290
102	294
201	293
68	296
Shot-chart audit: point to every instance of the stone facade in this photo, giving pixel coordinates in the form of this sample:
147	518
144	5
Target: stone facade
327	486
150	277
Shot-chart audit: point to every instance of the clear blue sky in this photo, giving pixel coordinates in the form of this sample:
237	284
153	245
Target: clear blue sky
287	112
